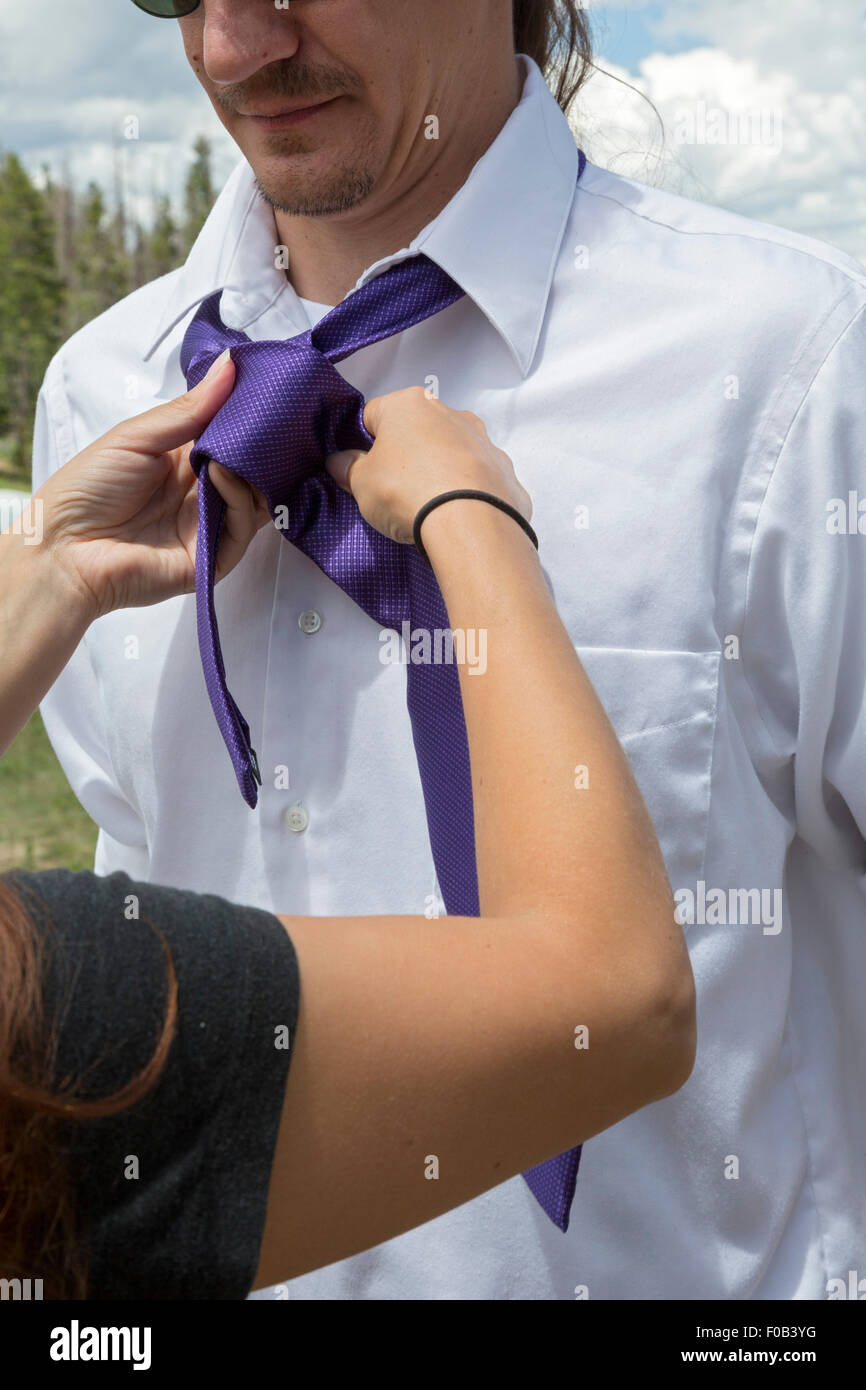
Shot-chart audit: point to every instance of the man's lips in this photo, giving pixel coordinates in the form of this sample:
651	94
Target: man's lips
287	116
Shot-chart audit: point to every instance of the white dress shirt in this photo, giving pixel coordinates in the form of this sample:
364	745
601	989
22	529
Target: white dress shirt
681	391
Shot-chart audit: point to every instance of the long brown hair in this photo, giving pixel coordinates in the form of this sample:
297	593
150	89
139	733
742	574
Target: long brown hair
556	34
39	1229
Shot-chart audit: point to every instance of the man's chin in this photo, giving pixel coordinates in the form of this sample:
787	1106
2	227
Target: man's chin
307	196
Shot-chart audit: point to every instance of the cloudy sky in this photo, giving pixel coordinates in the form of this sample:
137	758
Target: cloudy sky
762	102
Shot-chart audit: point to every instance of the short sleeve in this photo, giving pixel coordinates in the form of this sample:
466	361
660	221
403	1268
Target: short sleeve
172	1193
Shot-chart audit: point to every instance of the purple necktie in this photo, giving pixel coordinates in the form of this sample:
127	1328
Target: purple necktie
290	408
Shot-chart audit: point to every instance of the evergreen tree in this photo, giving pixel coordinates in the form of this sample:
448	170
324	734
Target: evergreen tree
163	244
199	195
99	273
31	302
138	256
64	259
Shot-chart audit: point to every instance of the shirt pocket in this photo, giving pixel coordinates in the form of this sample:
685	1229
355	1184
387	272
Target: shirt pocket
663	706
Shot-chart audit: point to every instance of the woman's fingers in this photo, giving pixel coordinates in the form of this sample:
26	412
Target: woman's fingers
169	426
421	448
246	513
339	466
237	493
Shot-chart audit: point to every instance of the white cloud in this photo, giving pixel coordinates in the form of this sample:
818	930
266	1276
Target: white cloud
74	69
73	74
820	46
797	69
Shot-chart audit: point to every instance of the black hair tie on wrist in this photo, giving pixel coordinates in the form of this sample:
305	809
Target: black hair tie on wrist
470	493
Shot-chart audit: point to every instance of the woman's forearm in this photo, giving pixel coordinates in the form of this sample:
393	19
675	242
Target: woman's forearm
547	841
42	621
466	1048
532	716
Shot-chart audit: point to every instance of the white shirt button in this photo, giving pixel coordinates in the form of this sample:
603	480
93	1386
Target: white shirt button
296	818
309	621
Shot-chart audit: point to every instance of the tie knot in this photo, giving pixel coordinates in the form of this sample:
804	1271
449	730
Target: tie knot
289	409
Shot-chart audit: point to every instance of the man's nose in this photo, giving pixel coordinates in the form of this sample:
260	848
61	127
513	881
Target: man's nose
243	36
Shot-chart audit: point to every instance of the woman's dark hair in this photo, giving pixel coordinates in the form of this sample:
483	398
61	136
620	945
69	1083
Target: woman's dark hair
39	1231
556	34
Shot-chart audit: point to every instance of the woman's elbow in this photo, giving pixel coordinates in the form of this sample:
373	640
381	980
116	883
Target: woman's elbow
670	1032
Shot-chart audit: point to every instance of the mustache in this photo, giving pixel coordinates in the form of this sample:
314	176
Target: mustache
286	79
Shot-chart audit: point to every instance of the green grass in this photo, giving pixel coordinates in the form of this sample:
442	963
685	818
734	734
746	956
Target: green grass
42	826
15	478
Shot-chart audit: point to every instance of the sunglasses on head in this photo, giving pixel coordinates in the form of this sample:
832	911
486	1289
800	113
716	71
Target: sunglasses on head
167	9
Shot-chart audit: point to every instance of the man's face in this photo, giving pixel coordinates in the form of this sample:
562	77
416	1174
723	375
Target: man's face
371	70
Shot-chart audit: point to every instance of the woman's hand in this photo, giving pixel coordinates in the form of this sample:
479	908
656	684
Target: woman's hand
120	519
422	447
118	527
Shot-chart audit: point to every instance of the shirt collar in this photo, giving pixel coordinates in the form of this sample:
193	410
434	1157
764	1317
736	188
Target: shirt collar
499	237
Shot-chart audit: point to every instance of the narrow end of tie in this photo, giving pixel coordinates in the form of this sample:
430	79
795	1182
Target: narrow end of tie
254	766
250	779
